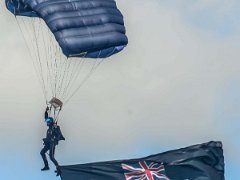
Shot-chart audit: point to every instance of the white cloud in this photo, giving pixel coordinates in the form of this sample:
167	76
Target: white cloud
165	84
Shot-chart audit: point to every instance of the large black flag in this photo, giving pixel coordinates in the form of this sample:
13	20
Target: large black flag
198	162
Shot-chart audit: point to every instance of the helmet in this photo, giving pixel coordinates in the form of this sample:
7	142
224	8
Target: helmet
49	120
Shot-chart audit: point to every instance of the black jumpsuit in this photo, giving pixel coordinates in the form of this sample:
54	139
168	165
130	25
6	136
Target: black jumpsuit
53	136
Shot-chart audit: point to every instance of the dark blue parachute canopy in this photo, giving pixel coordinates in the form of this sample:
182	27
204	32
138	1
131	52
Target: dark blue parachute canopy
89	28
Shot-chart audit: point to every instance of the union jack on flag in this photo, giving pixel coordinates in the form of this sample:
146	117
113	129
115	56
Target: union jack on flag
145	171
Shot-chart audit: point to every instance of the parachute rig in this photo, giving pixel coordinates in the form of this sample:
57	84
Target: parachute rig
67	41
55	106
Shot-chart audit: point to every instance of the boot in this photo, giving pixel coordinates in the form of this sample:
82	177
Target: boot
58	171
45	168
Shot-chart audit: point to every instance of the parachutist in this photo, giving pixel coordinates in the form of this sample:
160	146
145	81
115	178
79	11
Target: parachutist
54	135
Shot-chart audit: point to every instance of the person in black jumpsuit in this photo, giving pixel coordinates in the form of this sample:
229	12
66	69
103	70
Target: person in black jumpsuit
54	135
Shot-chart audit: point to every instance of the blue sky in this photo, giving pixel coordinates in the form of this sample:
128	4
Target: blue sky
177	81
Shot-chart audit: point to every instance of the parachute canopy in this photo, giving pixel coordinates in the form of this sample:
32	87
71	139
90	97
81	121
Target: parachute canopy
82	28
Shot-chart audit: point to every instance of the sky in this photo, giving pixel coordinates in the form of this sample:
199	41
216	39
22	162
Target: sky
176	84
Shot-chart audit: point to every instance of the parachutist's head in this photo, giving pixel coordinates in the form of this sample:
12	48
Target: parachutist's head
49	121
